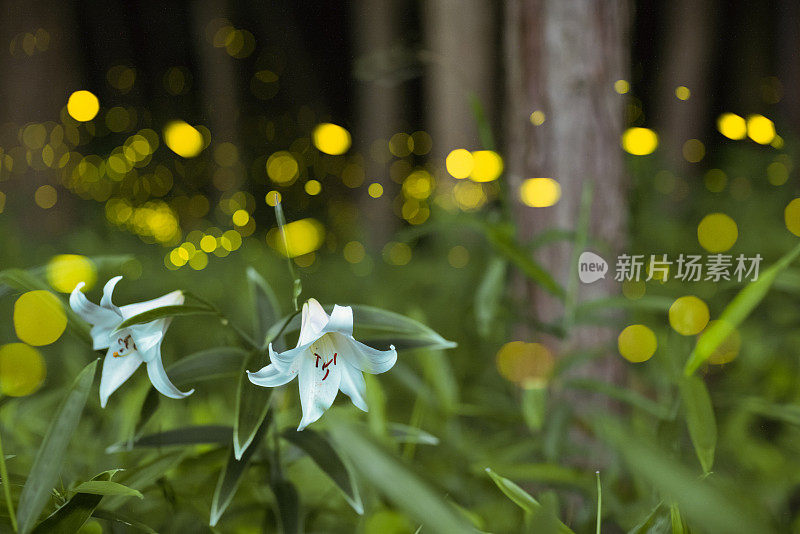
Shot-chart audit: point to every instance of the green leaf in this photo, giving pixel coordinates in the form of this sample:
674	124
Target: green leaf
268	311
656	522
700	419
178	437
50	456
534	407
252	406
209	364
737	311
676	520
788	413
325	456
489	293
438	373
288	503
505	245
75	512
143	476
521	498
621	394
408	434
113	517
397	482
547	473
231	475
106	487
176	310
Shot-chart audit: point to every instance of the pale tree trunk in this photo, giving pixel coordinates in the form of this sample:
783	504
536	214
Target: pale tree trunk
460	43
379	109
689	49
563	57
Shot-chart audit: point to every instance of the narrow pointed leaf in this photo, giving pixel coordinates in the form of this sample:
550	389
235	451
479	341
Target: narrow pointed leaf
316	446
408	434
523	499
397	482
700	419
288	504
209	364
267	309
737	311
178	437
175	310
231	475
50	456
113	517
252	405
107	487
75	512
143	476
488	295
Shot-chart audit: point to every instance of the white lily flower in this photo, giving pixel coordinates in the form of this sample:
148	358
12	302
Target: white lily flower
327	358
129	347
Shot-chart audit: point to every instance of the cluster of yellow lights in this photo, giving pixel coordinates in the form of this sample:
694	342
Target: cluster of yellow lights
236	42
183	139
757	127
30	43
402	144
529	365
478	166
540	192
717	232
639	141
195	251
469	196
282	168
331	138
154	219
298	238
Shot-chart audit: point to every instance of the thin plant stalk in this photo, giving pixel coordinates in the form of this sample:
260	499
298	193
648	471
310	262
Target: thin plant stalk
7	488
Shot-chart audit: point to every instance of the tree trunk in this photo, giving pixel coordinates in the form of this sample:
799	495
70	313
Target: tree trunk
563	57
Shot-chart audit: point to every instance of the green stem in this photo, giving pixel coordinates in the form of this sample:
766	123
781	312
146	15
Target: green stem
599	501
297	285
7	488
225	321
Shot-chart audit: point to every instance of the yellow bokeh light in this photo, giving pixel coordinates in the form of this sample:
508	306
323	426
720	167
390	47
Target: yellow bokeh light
791	216
639	141
540	192
622	86
208	243
537	117
397	253
22	370
354	252
458	256
45	196
66	271
459	163
418	185
302	237
240	217
717	232
199	261
760	129
272	198
331	139
183	139
634	289
282	168
313	187
375	190
637	343
487	166
469	196
231	240
682	92
39	318
715	180
732	126
688	315
526	364
777	173
83	106
693	150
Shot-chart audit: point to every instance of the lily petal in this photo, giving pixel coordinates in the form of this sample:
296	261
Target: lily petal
148	337
158	376
89	311
353	386
341	320
270	377
366	358
288	359
313	323
116	370
170	299
318	388
108	291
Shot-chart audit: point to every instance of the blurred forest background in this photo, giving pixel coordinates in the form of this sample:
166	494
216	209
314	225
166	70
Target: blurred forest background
444	159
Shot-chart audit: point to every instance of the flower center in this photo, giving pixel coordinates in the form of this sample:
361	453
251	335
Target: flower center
325	364
125	346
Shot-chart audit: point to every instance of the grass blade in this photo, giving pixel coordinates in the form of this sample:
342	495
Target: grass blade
267	309
700	419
